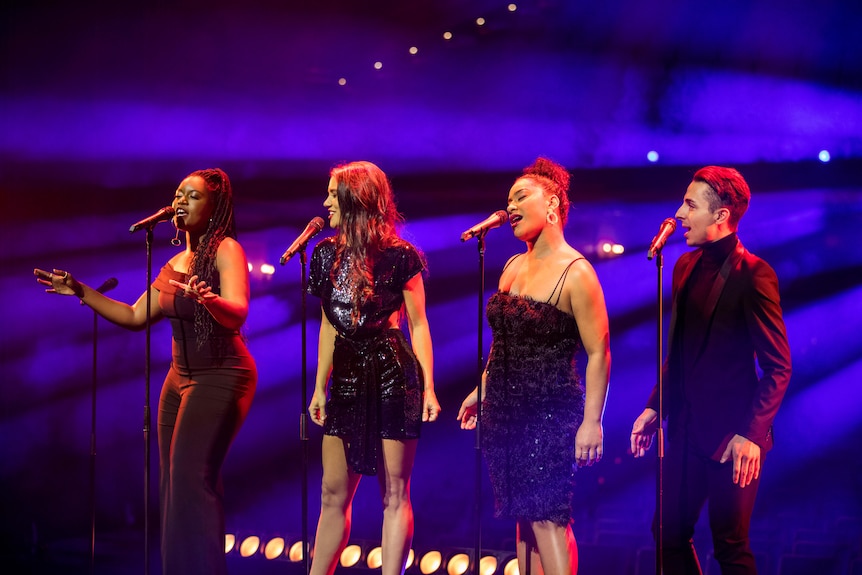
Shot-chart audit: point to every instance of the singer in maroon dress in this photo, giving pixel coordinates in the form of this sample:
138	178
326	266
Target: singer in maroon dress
380	387
204	292
725	375
538	422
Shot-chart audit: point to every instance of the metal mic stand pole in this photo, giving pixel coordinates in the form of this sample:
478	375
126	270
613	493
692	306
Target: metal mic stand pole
93	452
303	414
480	366
148	325
659	487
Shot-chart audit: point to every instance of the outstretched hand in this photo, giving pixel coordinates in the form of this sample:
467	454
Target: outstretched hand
59	282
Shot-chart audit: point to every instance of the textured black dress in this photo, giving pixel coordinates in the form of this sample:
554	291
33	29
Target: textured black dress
376	388
533	406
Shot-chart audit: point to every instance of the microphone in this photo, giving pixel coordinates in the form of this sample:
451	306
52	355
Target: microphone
667	228
311	230
495	220
108	285
162	215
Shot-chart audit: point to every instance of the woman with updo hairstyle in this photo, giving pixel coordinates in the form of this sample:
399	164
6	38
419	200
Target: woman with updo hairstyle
380	387
538	423
204	292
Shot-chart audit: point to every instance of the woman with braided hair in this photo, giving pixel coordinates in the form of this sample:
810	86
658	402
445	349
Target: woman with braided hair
204	292
380	387
538	423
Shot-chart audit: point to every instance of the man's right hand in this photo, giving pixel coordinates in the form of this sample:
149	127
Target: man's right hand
643	432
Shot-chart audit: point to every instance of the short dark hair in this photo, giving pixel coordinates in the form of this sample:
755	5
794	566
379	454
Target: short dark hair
729	190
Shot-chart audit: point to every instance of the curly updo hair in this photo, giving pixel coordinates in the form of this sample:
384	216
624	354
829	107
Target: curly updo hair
554	179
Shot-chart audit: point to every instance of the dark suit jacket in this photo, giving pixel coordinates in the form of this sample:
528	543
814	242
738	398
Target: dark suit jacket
723	394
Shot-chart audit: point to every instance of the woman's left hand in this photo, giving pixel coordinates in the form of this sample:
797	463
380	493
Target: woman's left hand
431	408
198	291
588	444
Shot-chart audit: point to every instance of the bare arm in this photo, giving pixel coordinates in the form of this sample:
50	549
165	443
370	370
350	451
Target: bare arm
325	350
133	317
420	336
230	307
588	307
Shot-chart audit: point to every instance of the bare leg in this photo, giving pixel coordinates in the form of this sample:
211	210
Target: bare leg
394	476
338	488
527	550
553	543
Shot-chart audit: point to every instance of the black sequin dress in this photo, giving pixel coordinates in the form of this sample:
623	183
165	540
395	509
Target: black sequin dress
533	407
375	390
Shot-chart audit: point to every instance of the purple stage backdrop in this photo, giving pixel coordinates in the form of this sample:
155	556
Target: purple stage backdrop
104	108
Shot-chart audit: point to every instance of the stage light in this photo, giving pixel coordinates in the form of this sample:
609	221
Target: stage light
488	565
430	562
480	21
511	567
350	556
512	7
250	267
229	542
274	548
249	546
413	50
652	156
295	553
378	65
267	269
410	558
447	35
342	81
375	558
458	564
824	156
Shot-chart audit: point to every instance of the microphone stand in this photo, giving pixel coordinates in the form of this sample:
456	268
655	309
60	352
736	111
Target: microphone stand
659	486
148	326
480	366
303	414
93	452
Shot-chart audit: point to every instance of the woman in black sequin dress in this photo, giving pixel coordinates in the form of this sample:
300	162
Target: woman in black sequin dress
538	424
204	292
381	388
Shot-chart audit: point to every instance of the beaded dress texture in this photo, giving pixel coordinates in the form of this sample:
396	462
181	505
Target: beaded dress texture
532	409
376	386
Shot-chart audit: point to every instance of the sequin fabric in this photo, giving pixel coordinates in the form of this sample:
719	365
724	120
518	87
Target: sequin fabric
533	406
375	387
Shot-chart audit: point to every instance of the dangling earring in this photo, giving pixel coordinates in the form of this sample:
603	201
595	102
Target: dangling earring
552	218
176	239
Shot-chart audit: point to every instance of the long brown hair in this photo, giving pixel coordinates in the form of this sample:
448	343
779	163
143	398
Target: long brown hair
368	225
221	225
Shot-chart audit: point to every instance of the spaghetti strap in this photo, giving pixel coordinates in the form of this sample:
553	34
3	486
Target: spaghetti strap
511	259
561	282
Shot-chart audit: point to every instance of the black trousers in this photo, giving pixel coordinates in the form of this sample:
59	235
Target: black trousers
198	418
691	479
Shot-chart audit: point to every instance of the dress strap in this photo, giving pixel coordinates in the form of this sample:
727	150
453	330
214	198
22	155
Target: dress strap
511	259
561	282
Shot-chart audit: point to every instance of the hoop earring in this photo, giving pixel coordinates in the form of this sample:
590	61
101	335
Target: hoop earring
552	218
175	241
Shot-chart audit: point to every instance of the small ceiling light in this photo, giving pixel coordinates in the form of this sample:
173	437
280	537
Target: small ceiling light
413	50
652	156
378	65
480	21
824	156
512	7
267	269
447	35
342	81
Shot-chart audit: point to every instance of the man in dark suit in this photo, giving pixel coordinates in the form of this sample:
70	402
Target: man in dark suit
725	374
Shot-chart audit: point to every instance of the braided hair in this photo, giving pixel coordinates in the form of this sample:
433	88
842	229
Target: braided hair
554	179
203	264
368	225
